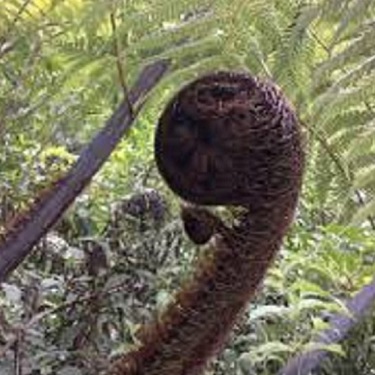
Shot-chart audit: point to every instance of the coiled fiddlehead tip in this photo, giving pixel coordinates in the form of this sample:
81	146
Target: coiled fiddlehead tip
224	139
229	138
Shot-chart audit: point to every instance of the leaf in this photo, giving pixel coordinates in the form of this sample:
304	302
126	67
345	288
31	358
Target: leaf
364	212
316	304
268	311
332	348
12	292
307	288
69	370
271	349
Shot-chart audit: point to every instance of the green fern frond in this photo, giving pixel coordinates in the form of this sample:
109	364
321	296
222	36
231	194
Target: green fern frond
194	52
351	118
320	52
367	210
361	70
256	59
167	39
362	143
354	14
296	35
363	45
294	57
342	137
333	9
266	21
365	177
335	100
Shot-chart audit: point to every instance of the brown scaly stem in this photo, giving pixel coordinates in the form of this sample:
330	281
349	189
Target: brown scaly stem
225	139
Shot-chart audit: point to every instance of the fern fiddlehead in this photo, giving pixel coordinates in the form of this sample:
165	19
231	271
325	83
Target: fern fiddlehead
225	139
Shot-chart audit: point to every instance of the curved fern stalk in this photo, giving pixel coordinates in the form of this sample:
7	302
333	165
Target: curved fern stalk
225	139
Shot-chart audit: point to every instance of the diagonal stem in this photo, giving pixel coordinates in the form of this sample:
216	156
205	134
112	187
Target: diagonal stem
48	210
340	325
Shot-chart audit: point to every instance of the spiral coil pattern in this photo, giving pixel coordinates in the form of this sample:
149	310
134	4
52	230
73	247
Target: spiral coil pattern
224	139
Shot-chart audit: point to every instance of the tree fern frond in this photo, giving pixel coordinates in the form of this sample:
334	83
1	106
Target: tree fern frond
14	9
351	117
320	52
193	52
264	17
354	14
333	9
143	19
358	72
201	66
184	10
256	59
362	143
367	210
18	16
341	138
293	58
364	27
324	175
164	40
353	144
363	45
296	34
334	101
364	177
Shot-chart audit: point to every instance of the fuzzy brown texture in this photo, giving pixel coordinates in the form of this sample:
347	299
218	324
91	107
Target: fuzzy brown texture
199	224
225	139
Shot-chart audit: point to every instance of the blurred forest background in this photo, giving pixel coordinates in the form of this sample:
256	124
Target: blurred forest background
119	252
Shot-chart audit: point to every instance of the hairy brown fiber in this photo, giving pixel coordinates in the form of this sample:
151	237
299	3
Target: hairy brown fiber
225	139
199	223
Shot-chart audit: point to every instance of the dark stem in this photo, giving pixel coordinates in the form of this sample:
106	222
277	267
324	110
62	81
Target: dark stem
18	245
120	70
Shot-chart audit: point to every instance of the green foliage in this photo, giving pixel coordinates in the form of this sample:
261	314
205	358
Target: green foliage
316	272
